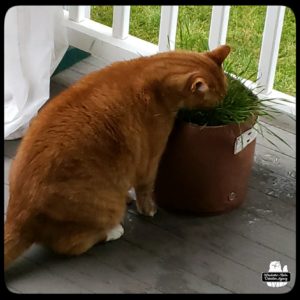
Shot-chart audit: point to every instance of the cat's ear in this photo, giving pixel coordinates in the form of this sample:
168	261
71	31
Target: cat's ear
219	54
199	84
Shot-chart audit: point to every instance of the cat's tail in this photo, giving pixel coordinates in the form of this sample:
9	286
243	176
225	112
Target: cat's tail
14	244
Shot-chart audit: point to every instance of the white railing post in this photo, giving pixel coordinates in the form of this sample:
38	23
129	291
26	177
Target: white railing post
218	26
168	27
270	48
120	27
87	11
77	13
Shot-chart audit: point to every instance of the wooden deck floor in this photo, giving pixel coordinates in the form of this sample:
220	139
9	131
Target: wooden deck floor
175	253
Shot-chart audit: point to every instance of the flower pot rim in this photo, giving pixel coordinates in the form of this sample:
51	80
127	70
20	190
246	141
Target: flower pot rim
190	124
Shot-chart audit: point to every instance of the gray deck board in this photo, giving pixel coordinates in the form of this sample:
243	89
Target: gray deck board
224	241
269	208
6	196
28	277
7	164
285	122
192	253
281	147
275	162
91	274
176	253
139	262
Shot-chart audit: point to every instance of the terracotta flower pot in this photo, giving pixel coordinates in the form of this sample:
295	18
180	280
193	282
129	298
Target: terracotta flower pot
199	172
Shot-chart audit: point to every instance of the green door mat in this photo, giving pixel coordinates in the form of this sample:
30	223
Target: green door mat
71	57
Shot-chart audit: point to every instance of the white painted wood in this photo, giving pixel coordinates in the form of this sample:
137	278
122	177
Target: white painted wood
120	25
97	39
270	47
168	27
77	13
88	11
281	101
218	26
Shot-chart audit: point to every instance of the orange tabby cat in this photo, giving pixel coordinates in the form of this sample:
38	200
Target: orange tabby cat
96	140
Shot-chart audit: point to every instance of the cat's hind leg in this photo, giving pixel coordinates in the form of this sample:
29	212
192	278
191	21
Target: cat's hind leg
80	242
115	233
97	222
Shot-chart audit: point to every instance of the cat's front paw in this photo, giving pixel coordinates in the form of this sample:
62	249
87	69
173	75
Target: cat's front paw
146	208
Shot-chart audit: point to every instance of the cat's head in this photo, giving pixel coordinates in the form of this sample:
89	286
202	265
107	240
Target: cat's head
199	78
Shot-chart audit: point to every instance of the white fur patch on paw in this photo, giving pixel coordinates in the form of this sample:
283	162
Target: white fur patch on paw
115	233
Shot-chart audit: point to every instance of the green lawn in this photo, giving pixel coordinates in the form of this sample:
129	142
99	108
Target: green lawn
244	35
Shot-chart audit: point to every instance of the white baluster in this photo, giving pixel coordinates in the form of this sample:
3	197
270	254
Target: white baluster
120	25
168	27
77	13
270	48
218	26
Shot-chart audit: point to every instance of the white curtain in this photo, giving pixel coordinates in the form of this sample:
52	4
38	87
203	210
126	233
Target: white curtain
35	41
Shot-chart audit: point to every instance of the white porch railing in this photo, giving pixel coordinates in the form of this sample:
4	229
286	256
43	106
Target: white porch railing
115	43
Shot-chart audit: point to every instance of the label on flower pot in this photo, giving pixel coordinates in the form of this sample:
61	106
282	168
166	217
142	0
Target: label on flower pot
244	140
